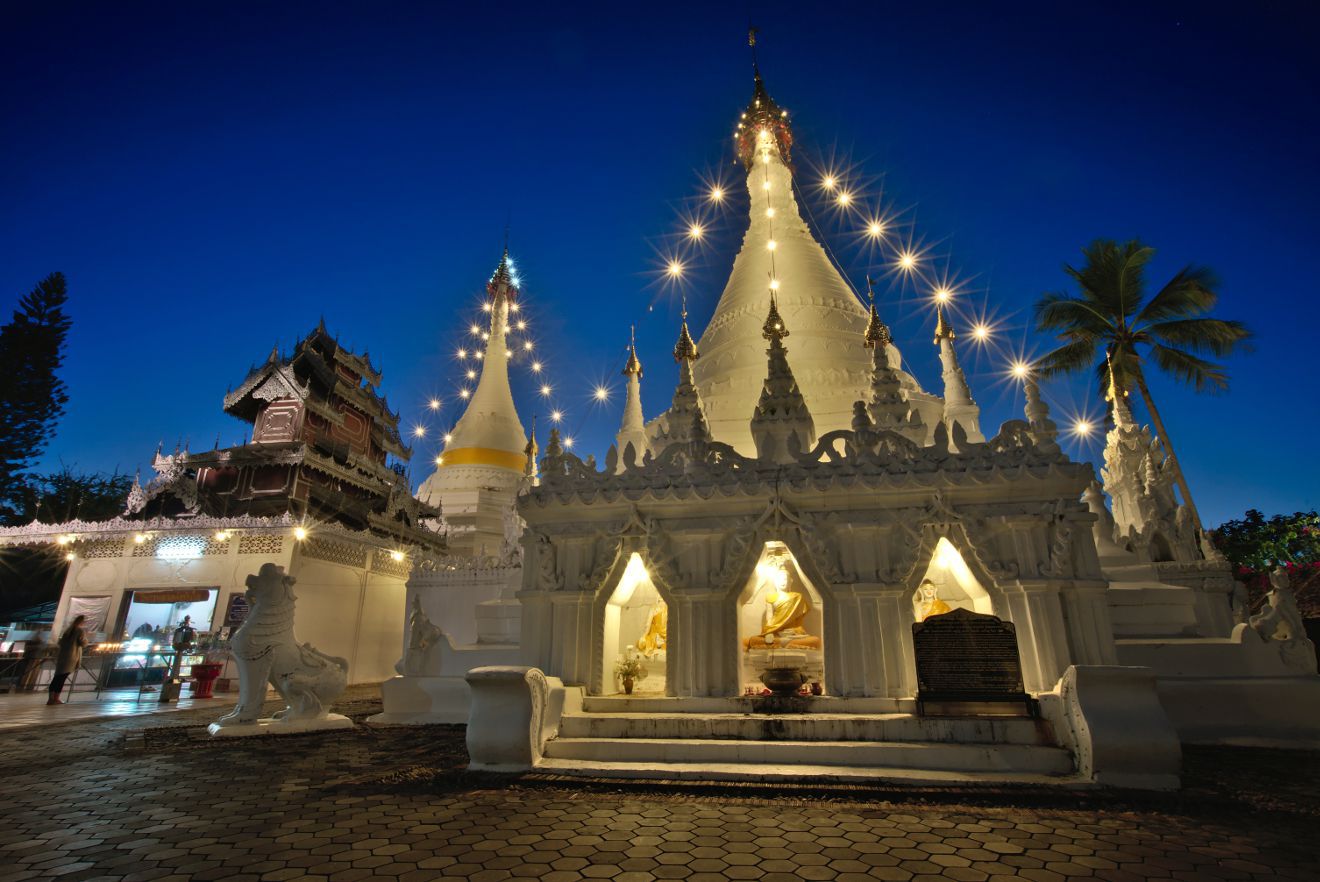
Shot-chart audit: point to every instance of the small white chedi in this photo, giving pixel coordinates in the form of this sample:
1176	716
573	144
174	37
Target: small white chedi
266	653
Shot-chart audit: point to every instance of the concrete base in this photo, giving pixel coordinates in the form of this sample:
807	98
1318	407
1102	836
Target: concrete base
1256	712
271	726
420	701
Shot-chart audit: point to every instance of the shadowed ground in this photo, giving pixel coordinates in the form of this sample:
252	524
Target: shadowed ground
139	799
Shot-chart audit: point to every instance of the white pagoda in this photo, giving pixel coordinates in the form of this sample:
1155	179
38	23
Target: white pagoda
800	514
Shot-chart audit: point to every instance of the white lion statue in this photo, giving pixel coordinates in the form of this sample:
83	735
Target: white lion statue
266	652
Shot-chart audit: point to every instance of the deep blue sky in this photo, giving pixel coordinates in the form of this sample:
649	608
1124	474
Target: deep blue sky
214	177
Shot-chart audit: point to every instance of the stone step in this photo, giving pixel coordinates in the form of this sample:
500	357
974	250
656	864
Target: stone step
659	704
809	727
929	756
801	774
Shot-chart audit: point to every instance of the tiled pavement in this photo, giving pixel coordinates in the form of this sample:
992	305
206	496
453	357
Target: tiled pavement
110	800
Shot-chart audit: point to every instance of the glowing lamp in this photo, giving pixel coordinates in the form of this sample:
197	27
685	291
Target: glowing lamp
300	533
536	367
695	231
556	415
435	404
829	183
675	268
981	332
568	442
943	295
716	194
545	391
845	199
1082	427
602	394
875	229
139	538
396	556
1020	369
464	394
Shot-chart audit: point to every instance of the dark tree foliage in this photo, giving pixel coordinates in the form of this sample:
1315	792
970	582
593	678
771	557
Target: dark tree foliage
1255	545
32	397
67	495
29	576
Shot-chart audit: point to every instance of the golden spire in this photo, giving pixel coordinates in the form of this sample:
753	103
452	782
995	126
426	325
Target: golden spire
634	365
877	332
943	330
685	349
773	329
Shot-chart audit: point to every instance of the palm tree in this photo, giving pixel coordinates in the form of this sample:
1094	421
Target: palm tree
1170	329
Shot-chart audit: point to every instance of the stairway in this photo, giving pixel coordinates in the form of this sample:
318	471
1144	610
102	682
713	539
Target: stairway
848	741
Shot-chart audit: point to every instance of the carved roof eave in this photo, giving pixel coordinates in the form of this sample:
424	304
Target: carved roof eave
238	402
353	474
274	453
359	364
121	527
898	464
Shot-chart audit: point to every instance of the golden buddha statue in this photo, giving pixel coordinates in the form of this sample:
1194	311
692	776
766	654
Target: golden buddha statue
656	636
785	613
929	603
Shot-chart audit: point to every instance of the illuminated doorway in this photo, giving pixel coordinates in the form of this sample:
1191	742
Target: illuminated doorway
780	621
636	633
949	584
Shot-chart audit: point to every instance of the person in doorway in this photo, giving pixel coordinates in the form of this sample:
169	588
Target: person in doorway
34	653
72	642
184	636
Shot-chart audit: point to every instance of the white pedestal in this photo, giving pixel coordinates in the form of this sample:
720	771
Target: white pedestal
418	701
279	727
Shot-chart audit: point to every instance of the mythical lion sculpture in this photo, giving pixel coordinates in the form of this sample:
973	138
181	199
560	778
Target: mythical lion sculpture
1280	619
266	652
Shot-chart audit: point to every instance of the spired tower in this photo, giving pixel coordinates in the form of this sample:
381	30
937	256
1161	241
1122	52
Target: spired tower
832	367
486	456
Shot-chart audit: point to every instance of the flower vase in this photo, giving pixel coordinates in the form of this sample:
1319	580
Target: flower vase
627	685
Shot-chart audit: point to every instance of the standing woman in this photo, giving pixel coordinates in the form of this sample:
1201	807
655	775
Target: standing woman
72	642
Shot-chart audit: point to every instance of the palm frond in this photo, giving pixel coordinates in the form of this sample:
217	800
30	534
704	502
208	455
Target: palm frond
1071	316
1191	292
1201	375
1067	359
1217	336
1114	276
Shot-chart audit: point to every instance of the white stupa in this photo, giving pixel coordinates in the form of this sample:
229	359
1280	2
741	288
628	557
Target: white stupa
485	457
832	366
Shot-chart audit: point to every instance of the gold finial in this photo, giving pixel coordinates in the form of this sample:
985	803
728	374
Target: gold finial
774	328
634	365
943	330
685	349
877	333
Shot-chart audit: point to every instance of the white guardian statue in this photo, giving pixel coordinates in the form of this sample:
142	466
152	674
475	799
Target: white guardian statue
266	652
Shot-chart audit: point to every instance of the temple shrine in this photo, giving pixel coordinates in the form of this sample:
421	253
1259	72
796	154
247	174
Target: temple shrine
313	490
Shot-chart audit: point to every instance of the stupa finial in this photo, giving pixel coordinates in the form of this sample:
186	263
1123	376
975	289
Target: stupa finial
762	120
774	328
943	330
877	332
685	349
634	365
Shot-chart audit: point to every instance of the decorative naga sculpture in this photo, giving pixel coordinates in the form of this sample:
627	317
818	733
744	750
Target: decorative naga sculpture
265	651
422	635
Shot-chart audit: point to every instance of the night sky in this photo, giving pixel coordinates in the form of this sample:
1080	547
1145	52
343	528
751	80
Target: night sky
214	177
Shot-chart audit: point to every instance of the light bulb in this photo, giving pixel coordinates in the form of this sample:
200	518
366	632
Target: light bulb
695	231
568	441
1020	369
875	229
434	404
675	268
545	391
300	533
716	194
464	394
907	260
829	183
602	394
556	415
845	198
527	345
943	294
981	332
771	245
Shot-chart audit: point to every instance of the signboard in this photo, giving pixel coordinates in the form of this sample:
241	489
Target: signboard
966	657
236	610
172	595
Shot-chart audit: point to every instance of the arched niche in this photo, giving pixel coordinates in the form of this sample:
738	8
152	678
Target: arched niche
635	625
1161	551
774	597
956	586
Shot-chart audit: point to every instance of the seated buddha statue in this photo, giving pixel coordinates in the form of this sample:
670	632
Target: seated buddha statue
929	603
655	637
782	621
